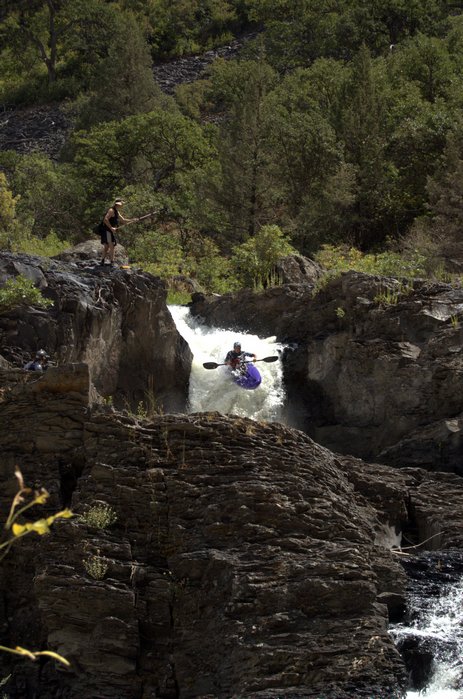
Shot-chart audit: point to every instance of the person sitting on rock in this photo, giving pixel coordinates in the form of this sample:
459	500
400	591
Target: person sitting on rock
112	219
235	357
39	363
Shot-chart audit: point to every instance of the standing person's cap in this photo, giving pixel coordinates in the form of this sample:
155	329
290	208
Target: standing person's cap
119	201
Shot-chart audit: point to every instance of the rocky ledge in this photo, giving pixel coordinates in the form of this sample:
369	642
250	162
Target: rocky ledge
246	560
115	320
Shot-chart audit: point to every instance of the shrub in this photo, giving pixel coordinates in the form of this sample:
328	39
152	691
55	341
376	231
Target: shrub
44	247
178	298
96	566
337	259
254	260
208	265
21	292
100	516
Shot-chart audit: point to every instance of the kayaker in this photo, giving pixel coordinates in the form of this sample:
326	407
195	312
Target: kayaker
236	357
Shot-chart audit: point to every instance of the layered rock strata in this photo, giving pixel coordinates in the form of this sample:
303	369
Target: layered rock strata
246	560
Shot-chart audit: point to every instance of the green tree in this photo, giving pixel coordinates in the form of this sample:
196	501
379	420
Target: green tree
185	26
54	29
154	149
9	227
7	205
326	215
445	189
418	131
298	32
364	132
50	196
241	88
124	83
426	61
303	150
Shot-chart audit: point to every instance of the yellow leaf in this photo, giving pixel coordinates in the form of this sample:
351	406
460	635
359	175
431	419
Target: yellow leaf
18	529
40	527
42	497
32	655
64	514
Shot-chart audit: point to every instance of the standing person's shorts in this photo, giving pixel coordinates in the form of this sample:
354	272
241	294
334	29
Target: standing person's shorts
107	237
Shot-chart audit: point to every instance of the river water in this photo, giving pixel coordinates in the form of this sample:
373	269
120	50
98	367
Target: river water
434	628
434	621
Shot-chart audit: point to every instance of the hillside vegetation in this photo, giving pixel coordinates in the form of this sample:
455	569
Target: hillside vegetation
339	125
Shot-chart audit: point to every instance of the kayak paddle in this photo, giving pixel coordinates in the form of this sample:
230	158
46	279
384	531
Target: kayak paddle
213	365
140	218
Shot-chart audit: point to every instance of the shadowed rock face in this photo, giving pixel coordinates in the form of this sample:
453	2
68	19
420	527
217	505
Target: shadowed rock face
246	560
381	380
114	320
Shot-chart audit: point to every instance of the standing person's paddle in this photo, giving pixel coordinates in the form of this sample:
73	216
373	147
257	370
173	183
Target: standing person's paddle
140	218
214	365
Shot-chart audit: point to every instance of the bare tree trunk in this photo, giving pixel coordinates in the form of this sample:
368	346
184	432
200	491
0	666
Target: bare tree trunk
52	43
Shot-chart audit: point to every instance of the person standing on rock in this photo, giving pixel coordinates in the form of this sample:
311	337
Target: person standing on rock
108	227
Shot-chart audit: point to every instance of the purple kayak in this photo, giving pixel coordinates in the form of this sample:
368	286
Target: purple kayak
251	379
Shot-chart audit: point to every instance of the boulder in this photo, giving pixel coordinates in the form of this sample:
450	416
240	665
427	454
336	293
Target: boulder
91	250
297	269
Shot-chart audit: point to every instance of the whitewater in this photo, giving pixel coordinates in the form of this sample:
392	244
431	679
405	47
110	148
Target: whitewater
213	389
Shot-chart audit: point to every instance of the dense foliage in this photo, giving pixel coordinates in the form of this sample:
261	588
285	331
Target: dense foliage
340	124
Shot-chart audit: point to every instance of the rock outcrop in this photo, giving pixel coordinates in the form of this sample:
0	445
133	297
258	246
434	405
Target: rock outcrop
373	367
246	560
114	320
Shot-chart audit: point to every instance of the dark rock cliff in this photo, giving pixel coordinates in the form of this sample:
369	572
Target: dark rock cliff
373	368
246	560
114	320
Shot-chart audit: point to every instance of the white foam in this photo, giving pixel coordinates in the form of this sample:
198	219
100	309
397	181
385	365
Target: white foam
213	389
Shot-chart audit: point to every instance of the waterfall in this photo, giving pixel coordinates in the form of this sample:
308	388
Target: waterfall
213	389
431	637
